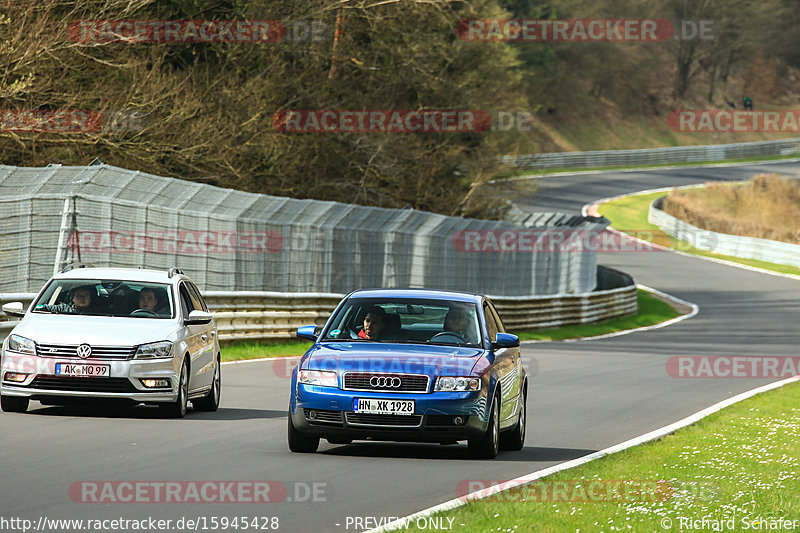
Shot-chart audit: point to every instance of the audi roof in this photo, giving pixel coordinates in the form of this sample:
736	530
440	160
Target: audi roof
416	293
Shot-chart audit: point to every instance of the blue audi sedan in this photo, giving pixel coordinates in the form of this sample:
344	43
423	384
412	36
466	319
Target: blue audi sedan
410	365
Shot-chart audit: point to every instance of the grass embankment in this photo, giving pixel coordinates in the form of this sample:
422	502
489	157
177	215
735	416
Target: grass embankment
256	350
591	129
652	310
766	207
629	215
739	464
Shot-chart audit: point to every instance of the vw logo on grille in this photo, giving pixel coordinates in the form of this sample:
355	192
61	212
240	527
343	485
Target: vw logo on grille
84	351
385	382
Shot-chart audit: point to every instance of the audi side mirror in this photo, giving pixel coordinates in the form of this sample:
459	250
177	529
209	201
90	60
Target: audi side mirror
309	333
505	340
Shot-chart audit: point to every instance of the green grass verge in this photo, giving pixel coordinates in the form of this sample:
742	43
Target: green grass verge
739	464
516	173
651	311
629	215
257	350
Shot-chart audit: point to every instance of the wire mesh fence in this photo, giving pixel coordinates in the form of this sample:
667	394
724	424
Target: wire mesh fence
236	241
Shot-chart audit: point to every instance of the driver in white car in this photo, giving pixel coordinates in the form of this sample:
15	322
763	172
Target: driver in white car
147	299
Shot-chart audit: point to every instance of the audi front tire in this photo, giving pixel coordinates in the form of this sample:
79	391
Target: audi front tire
299	442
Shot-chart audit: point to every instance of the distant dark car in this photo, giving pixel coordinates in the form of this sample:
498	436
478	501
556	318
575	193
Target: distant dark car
438	368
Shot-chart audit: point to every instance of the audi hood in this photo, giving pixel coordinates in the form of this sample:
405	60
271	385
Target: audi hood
428	359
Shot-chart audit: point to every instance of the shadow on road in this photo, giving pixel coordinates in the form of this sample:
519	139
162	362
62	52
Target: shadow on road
457	452
143	412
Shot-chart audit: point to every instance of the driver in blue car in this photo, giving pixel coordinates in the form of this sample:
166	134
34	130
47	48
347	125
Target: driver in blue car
374	322
458	321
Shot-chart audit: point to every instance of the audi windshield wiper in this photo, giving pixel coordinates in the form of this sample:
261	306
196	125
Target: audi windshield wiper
458	344
350	340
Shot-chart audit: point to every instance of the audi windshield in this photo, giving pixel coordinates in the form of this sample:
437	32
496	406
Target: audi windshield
403	320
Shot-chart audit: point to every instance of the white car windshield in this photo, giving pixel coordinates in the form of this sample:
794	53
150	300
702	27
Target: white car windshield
117	298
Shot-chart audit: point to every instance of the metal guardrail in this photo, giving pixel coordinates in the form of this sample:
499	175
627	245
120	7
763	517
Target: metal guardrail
258	316
616	296
782	253
653	156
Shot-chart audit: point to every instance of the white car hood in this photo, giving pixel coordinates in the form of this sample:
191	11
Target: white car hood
95	330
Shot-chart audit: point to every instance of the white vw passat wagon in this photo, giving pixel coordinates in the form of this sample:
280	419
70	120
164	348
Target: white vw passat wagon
140	335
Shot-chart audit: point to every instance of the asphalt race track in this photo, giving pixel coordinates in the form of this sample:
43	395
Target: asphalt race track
585	396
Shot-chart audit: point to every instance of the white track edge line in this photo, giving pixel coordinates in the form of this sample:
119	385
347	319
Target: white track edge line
686	316
652	435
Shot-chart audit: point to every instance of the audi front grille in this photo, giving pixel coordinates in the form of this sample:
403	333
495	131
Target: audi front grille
374	382
362	419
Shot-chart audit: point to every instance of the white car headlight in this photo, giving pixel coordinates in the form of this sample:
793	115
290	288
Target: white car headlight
318	377
154	350
457	384
21	345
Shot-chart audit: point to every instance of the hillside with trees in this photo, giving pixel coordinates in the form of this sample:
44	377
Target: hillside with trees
206	111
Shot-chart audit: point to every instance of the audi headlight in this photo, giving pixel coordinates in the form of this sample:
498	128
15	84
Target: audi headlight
21	345
154	350
447	383
318	377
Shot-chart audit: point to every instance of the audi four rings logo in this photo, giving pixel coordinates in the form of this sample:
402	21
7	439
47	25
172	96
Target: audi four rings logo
84	351
385	382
